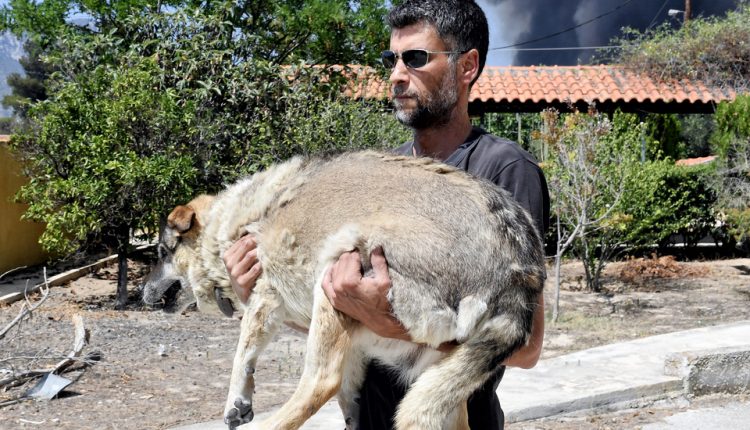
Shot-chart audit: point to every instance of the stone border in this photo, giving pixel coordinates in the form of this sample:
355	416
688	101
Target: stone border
67	276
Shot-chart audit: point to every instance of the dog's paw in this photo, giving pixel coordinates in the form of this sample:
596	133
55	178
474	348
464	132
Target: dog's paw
240	413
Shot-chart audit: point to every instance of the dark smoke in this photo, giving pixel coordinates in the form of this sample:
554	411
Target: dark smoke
523	20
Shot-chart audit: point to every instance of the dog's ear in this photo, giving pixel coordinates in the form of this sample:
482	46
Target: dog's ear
181	219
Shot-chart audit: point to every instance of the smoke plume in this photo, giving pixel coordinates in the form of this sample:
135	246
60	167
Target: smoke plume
517	21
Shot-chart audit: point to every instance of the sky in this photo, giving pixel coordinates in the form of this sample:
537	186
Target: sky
516	21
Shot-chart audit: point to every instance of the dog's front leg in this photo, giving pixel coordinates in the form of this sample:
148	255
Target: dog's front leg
261	321
328	346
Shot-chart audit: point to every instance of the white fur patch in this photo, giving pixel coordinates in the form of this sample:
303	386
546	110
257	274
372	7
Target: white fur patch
470	311
346	239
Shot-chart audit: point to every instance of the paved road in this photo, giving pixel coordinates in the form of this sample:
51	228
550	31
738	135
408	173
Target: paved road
626	374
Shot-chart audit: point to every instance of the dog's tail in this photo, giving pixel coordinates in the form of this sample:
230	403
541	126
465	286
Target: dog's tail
442	387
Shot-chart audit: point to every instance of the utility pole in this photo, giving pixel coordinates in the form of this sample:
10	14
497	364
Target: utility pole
688	10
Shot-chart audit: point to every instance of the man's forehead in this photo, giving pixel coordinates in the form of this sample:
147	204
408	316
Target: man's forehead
420	35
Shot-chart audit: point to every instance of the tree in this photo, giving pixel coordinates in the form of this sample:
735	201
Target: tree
106	156
284	32
167	105
585	189
714	50
30	88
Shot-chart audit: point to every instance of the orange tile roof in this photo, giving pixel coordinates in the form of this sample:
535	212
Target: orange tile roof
695	161
588	84
536	87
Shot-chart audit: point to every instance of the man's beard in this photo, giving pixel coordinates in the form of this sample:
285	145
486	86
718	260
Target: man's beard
432	110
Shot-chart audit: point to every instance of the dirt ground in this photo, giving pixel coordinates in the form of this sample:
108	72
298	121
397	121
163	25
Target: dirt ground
159	370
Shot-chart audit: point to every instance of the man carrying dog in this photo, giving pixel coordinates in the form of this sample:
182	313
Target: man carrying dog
437	51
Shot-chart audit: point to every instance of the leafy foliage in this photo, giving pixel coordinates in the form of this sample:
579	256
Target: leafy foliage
663	199
715	50
134	126
664	137
732	180
105	155
585	186
29	88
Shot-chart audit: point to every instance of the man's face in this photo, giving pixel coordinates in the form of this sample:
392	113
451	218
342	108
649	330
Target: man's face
424	97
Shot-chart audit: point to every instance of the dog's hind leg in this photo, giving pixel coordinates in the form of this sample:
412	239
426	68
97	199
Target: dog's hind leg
262	319
439	390
328	348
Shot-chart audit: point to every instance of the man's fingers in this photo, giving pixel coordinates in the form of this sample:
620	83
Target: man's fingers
250	276
348	270
239	249
327	284
379	263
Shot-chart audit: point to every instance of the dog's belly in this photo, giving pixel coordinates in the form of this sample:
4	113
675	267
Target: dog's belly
407	359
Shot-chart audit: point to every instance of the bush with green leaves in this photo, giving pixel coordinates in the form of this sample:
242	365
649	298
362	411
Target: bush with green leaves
659	199
731	183
663	199
140	119
106	155
715	50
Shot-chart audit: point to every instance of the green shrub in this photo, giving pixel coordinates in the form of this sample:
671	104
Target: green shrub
732	124
663	199
731	181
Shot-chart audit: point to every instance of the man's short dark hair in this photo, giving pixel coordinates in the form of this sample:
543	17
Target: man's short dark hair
461	24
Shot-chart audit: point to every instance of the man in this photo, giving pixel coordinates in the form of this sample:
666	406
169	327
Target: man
437	51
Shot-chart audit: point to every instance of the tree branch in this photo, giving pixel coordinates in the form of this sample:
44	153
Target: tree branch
28	307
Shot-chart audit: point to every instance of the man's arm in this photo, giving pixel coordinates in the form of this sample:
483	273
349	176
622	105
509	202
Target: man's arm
528	355
365	299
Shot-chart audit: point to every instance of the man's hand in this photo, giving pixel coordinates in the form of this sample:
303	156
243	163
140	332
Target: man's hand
363	298
241	261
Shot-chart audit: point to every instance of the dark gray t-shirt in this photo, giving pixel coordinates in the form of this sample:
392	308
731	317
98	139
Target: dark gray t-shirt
504	163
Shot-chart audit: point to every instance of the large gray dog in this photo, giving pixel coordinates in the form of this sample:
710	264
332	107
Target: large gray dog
465	261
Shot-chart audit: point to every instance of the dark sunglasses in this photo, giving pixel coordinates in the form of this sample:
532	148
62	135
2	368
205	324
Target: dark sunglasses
413	58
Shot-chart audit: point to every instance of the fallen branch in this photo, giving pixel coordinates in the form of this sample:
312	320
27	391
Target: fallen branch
79	342
28	307
72	362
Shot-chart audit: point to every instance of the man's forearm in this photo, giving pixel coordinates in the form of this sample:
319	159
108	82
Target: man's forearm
528	355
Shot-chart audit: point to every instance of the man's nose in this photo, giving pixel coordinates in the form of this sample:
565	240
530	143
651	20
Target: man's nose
399	73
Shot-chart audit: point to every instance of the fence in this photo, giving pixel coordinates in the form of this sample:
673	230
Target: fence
19	239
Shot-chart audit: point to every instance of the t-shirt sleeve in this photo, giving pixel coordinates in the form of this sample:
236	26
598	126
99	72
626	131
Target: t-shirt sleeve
525	182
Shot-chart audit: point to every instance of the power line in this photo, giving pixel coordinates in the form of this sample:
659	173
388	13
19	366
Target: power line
559	48
549	36
657	14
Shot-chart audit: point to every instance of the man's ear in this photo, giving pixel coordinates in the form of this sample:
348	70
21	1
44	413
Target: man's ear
469	66
181	219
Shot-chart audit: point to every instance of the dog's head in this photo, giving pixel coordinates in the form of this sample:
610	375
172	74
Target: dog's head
179	253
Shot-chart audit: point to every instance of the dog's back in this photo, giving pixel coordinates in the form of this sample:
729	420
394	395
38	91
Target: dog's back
452	241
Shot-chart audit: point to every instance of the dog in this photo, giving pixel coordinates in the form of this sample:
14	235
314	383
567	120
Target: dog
465	261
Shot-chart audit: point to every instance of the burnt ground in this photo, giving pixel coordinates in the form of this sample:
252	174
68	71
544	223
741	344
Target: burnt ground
158	370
